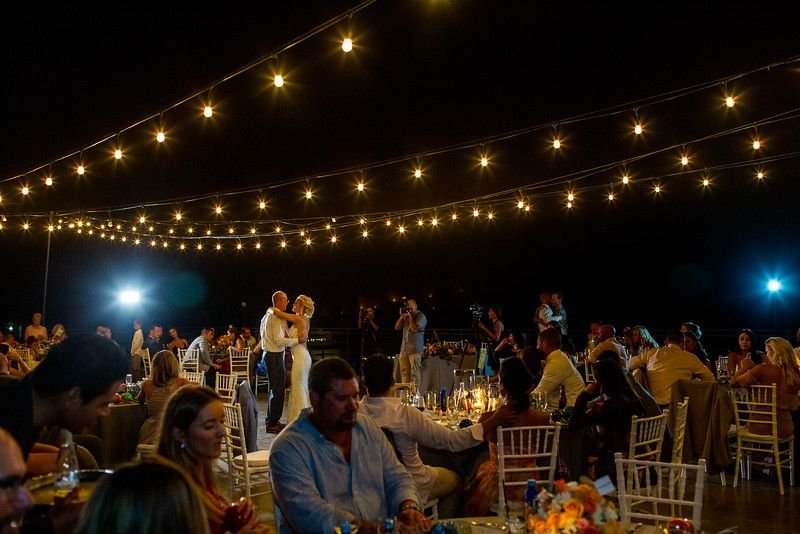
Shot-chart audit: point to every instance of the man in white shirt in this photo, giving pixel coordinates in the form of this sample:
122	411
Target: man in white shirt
558	371
274	341
544	314
409	427
202	344
666	365
607	341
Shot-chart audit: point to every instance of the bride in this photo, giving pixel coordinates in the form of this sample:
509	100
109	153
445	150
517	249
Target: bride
303	309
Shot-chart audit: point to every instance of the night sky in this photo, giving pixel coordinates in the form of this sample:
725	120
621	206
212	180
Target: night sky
423	75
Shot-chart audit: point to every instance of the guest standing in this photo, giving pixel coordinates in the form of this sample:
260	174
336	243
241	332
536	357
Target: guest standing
412	322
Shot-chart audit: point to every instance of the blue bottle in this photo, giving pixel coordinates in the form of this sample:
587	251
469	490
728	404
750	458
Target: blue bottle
443	399
531	503
388	526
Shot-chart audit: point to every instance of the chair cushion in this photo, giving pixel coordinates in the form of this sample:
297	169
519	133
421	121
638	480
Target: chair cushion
254	459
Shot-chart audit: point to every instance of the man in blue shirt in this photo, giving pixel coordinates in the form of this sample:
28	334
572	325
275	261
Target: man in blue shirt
333	464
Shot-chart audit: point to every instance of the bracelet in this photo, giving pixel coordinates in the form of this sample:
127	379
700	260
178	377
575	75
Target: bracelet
411	506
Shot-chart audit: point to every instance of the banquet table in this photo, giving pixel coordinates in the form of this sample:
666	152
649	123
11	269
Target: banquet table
708	421
437	373
119	432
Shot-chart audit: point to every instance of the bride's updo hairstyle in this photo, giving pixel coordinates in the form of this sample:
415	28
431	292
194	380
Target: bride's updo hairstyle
308	305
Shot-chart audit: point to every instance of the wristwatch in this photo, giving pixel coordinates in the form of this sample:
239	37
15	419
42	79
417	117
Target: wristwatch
410	506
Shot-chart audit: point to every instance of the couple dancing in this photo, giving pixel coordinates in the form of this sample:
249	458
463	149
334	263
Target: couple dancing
276	337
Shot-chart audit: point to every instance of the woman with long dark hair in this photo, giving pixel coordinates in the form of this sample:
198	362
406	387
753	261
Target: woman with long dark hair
746	356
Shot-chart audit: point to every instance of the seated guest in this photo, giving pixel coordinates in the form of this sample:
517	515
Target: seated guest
410	428
746	356
15	498
692	345
666	365
515	381
153	340
71	389
641	340
604	409
58	333
204	361
176	342
164	380
191	435
691	327
607	341
534	360
247	339
332	464
10	340
14	365
779	368
36	329
558	370
157	498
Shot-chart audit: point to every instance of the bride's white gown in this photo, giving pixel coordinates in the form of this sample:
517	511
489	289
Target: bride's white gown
301	364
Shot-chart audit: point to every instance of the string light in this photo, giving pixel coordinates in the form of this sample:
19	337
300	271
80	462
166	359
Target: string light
238	246
258	245
611	197
262	205
328	226
208	232
141	219
569	205
520	204
364	234
401	229
136	241
657	189
25	190
117	154
570	197
219	246
302	233
309	194
484	161
48	181
388	222
178	216
253	230
362	221
760	174
556	143
231	230
160	137
152	243
756	144
277	230
706	181
527	208
81	170
417	173
475	212
308	241
171	231
182	246
347	44
218	210
454	216
278	80
360	186
684	160
199	246
490	215
333	239
637	129
151	228
207	111
434	222
190	230
730	101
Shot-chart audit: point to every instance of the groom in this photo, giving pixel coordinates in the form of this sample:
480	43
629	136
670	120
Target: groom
274	342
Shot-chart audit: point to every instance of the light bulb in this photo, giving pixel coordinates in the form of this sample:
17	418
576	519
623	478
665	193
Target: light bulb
117	154
160	137
302	233
360	186
638	128
141	219
278	80
364	233
151	228
333	239
347	45
490	215
182	246
756	144
25	190
25	226
520	204
137	241
569	205
208	232
570	197
258	246
657	189
730	101
308	193
611	196
253	230
190	230
388	222
238	246
484	161
626	179
178	216
81	170
362	221
401	229
262	205
527	208
454	216
277	230
219	247
164	244
171	231
308	241
207	111
50	228
684	160
230	230
760	175
705	182
475	213
48	181
417	173
434	221
556	143
199	246
328	226
218	210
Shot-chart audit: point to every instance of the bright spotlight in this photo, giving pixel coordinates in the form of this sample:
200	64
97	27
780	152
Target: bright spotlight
129	296
774	285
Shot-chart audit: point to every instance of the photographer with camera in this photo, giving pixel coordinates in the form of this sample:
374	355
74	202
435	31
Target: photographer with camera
369	339
412	322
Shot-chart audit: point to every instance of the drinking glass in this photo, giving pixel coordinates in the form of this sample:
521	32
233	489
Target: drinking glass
128	379
514	517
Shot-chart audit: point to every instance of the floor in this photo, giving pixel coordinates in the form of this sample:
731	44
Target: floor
755	506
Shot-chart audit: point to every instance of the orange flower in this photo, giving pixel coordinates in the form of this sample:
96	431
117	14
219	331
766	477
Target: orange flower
573	508
536	524
553	520
561	486
589	506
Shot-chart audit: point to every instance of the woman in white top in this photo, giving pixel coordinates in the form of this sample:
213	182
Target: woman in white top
303	309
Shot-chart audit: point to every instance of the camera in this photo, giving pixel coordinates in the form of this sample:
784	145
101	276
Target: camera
404	307
476	310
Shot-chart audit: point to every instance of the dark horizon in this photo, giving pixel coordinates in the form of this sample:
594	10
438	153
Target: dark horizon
424	76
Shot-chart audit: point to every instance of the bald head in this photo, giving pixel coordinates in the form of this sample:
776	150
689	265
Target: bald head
606	332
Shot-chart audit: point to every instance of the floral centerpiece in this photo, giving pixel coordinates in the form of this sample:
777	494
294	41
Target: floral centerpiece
574	508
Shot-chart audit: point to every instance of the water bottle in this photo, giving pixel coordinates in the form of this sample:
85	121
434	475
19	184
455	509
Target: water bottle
66	473
443	399
388	526
531	503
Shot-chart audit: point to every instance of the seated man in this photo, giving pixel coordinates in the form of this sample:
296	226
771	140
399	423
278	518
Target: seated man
666	365
70	389
410	428
204	362
558	371
607	341
333	464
